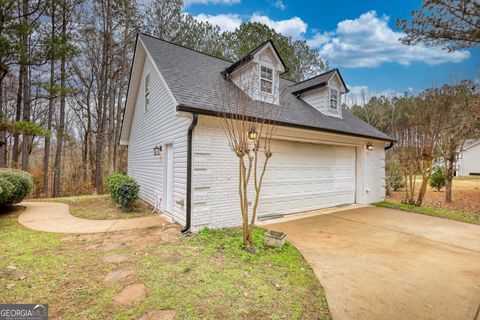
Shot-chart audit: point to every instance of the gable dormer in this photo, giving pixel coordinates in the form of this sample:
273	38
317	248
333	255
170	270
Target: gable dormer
258	73
323	92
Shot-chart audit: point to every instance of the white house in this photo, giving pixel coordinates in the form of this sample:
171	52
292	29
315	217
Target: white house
468	163
323	156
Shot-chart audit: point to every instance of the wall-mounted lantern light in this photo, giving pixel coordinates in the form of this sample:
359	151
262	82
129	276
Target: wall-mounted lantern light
157	150
252	134
369	146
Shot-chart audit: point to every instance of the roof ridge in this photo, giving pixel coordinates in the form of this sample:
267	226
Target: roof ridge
184	47
314	77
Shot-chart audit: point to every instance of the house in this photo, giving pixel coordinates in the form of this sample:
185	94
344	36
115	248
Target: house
323	156
468	163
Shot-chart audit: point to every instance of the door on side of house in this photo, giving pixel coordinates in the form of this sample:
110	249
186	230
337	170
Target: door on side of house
168	181
304	176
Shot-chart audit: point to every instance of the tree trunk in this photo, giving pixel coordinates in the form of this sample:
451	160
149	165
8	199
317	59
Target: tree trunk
26	95
51	103
111	124
61	124
3	135
18	116
449	182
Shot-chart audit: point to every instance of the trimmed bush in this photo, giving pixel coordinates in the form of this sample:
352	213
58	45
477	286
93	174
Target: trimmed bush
6	189
123	190
438	180
22	183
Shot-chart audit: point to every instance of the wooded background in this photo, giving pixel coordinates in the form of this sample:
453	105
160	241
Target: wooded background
64	68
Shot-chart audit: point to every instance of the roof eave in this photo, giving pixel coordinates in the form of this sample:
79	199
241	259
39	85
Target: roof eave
190	109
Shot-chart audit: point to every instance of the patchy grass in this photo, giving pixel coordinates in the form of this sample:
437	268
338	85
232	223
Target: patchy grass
465	195
435	212
204	276
101	208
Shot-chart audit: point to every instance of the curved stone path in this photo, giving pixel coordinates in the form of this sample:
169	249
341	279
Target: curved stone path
56	217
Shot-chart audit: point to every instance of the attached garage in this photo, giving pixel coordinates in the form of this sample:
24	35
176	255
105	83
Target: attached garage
323	155
306	176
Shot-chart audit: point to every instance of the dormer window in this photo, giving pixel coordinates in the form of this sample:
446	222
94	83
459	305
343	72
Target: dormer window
147	91
333	99
266	79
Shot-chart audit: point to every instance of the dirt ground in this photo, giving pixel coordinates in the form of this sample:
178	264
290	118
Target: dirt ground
465	194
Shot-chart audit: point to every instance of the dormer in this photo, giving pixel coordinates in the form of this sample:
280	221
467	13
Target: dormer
258	73
323	92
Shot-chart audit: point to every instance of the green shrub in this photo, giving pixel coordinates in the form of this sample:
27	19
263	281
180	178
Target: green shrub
123	190
438	179
6	189
394	179
22	183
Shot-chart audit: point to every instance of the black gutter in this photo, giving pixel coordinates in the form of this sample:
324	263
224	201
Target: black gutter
184	108
188	220
389	146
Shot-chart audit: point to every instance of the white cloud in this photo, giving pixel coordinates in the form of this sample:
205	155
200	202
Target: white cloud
187	3
279	4
368	41
318	39
226	22
293	27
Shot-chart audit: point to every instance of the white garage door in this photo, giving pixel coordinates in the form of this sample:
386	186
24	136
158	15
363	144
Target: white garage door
302	177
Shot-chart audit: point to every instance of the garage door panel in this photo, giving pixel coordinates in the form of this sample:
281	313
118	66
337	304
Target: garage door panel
302	177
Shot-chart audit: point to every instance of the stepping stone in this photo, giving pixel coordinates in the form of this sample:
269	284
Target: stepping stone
111	246
158	315
116	258
131	294
118	275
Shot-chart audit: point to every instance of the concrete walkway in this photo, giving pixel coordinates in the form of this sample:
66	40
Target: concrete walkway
55	217
379	263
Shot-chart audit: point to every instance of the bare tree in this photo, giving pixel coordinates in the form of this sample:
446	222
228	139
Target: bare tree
460	122
453	24
249	126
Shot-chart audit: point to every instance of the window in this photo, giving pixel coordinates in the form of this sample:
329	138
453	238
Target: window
147	90
266	79
333	99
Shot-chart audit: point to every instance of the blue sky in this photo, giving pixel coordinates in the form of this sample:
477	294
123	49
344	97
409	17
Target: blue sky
358	37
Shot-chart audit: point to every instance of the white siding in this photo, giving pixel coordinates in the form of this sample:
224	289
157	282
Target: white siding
320	99
160	124
215	170
469	161
248	78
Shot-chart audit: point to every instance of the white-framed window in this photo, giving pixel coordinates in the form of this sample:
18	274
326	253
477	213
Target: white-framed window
147	91
333	99
266	79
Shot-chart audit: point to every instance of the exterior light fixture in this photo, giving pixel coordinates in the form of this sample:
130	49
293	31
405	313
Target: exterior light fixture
157	150
252	134
369	146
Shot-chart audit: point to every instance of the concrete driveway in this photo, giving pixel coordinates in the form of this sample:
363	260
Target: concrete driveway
378	263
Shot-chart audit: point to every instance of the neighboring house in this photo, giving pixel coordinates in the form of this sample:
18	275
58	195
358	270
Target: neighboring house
323	156
468	163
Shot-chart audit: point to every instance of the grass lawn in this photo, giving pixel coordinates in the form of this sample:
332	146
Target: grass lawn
101	208
206	276
465	195
435	212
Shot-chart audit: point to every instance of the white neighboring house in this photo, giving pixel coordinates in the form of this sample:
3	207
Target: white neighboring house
468	163
323	156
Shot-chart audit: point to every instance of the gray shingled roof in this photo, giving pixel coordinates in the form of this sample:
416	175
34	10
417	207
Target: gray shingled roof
315	82
192	77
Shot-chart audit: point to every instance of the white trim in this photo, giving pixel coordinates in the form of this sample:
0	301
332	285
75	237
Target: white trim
471	146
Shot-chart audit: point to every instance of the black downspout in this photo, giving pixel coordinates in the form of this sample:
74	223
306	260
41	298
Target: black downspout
188	220
389	146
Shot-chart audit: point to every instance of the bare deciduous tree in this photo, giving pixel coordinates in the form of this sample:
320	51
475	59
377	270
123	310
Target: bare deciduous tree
249	126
